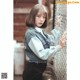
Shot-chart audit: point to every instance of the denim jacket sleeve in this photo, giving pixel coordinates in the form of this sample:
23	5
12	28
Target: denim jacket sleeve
54	37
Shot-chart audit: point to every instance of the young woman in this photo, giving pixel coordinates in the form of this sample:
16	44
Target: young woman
38	45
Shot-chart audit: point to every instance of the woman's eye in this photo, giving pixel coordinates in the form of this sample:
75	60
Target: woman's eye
44	17
38	16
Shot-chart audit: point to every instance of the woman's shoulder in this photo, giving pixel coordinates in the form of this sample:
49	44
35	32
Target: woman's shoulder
30	31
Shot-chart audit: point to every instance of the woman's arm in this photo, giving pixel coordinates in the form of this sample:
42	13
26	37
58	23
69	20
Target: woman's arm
55	36
37	47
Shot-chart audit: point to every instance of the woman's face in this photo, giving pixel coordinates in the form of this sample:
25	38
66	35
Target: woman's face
39	19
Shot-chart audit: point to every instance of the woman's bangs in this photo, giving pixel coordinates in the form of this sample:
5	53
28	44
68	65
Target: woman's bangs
43	11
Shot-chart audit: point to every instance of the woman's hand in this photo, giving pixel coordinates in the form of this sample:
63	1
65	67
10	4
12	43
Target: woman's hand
63	40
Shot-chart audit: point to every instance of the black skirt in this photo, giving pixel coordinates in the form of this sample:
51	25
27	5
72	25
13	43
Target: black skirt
34	71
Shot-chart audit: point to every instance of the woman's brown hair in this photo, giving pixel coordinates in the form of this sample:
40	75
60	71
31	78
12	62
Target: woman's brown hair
30	20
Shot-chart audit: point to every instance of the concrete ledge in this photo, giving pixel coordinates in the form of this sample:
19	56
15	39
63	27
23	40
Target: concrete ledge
21	10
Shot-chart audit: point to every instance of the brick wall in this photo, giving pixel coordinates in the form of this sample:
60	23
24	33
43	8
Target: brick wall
21	10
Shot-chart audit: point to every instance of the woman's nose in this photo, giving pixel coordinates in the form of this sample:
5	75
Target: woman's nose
41	18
